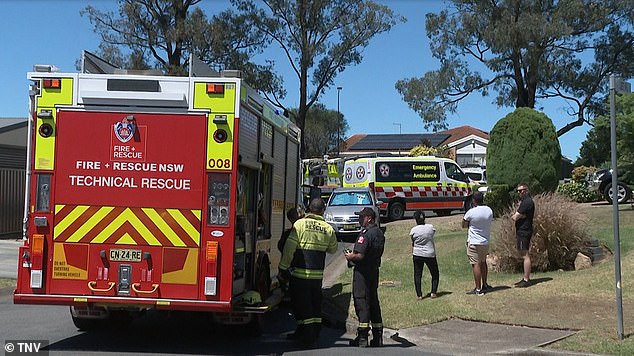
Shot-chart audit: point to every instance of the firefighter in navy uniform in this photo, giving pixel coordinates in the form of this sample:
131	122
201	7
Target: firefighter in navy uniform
303	261
366	257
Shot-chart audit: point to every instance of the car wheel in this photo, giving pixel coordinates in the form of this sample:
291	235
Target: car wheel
396	211
623	193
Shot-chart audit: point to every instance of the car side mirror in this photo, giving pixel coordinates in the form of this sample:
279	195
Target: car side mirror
378	202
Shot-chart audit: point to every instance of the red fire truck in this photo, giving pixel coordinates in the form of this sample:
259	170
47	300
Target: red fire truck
154	192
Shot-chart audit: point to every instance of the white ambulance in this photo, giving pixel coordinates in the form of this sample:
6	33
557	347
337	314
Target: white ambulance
411	183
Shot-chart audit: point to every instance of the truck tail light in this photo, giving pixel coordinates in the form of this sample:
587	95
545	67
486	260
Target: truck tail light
211	257
37	253
213	88
52	83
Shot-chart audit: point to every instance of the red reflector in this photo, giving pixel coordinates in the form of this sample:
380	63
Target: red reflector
52	83
215	88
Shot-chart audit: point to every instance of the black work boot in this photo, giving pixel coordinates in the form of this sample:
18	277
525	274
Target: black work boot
377	338
361	340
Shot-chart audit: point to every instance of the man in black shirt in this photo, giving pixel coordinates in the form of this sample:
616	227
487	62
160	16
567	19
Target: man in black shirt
366	256
523	218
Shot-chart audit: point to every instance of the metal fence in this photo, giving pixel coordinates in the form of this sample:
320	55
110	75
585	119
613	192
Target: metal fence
12	185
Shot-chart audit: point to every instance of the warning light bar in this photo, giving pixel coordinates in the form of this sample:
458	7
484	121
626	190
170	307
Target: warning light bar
213	88
53	83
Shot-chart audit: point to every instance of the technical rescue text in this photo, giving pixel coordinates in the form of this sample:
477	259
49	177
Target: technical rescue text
118	181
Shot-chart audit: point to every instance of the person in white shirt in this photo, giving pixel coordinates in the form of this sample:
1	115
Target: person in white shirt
478	219
424	253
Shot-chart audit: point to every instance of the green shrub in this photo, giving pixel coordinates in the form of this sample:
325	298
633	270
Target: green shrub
523	148
578	192
579	173
559	234
498	198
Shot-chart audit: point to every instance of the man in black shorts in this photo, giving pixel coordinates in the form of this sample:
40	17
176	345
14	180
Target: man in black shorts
523	218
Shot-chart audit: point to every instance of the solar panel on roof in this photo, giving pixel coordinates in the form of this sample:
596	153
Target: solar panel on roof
397	142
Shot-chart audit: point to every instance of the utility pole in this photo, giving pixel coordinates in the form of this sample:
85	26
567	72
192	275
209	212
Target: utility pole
338	124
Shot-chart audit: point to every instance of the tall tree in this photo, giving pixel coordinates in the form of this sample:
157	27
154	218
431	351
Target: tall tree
595	150
528	50
162	34
322	36
324	132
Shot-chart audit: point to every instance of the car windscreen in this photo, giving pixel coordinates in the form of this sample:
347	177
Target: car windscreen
350	198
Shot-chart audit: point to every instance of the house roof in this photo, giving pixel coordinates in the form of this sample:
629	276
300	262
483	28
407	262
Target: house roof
12	123
461	132
395	141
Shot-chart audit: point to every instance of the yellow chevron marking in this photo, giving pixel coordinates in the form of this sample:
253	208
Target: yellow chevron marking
165	229
85	228
126	239
185	224
64	224
126	215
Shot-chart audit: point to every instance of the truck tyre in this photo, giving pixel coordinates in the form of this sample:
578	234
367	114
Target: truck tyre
396	211
116	320
254	327
623	193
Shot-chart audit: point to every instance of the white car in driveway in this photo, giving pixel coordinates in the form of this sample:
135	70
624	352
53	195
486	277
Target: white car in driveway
342	206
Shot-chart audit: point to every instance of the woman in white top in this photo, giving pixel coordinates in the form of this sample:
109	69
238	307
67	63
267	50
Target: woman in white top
424	253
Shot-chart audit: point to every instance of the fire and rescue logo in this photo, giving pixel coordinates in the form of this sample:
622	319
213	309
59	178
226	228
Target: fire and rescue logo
384	169
125	129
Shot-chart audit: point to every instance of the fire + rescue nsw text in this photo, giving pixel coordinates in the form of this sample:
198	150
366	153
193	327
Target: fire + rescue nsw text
131	166
130	182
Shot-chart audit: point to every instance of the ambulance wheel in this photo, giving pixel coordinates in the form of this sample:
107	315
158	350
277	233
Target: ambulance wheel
396	211
442	212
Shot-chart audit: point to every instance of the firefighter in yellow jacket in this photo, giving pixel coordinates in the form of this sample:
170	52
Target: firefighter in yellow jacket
302	263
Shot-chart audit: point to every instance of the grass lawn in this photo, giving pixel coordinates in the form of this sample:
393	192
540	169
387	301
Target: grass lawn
576	300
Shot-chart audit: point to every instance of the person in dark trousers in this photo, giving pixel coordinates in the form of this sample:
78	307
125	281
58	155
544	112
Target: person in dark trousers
315	191
523	218
366	256
424	253
302	264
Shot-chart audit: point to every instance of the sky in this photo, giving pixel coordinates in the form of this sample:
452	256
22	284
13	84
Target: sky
54	32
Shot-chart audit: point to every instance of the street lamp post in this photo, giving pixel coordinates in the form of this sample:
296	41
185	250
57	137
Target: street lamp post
399	138
617	85
338	124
